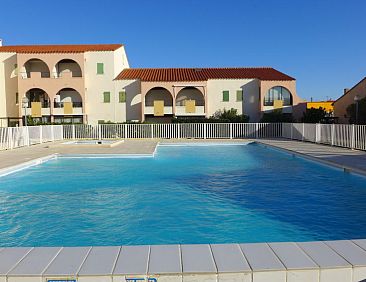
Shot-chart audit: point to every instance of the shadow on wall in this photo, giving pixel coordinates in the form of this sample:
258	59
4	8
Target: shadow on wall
298	110
250	102
133	101
11	86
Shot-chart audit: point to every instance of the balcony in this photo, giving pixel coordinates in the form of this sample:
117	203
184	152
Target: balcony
68	108
149	110
182	111
285	109
45	109
34	74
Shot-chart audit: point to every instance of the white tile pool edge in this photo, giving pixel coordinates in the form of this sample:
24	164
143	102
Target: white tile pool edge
328	261
38	161
25	165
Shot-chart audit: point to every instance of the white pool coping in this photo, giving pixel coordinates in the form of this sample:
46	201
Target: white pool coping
328	261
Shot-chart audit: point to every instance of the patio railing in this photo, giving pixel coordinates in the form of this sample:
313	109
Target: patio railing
342	135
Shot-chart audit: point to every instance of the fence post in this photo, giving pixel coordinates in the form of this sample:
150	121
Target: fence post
303	132
316	133
231	131
52	134
333	133
152	131
73	131
353	137
27	134
125	130
99	132
292	131
204	130
178	130
40	134
10	138
256	130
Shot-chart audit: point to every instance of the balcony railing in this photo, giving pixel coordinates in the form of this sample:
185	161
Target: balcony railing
74	104
67	74
44	104
25	75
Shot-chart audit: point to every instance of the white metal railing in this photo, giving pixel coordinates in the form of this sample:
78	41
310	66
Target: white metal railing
15	137
342	135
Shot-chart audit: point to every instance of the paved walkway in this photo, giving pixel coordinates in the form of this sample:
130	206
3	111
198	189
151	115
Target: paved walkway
353	160
21	155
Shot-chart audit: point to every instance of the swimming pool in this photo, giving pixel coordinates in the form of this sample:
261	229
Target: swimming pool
184	194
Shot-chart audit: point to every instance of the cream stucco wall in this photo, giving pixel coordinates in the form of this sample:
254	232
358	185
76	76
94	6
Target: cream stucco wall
249	106
97	84
131	109
8	85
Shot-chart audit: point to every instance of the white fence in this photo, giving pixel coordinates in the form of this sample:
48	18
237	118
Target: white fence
15	137
343	135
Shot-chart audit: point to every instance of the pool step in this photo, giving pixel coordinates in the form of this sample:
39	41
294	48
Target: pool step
329	261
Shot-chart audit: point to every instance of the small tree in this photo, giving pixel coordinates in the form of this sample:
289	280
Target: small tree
314	115
351	111
277	116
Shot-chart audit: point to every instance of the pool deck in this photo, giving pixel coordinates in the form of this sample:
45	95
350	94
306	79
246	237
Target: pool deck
351	160
329	261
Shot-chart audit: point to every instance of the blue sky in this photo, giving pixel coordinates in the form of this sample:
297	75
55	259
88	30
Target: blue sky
322	43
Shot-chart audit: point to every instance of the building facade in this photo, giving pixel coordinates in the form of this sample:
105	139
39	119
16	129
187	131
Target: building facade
342	103
158	94
94	84
63	83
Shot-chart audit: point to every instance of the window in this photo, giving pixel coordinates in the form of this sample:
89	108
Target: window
106	97
239	95
122	97
225	96
278	93
17	98
100	68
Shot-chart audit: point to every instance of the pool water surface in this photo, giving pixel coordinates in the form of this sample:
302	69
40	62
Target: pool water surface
184	194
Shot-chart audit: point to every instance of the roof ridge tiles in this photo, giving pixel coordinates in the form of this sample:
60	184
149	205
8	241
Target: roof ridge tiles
59	48
201	74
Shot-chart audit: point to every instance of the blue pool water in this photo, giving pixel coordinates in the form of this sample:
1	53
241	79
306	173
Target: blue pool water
203	194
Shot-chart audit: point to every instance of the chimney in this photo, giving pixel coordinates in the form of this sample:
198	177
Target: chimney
345	90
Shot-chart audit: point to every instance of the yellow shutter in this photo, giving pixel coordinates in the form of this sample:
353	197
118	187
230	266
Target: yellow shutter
158	108
68	109
190	106
36	109
277	104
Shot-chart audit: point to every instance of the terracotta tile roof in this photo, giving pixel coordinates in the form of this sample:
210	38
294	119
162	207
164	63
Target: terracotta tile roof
201	74
59	48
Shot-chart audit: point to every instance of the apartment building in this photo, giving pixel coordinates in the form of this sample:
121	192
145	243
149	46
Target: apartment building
158	94
93	83
63	83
